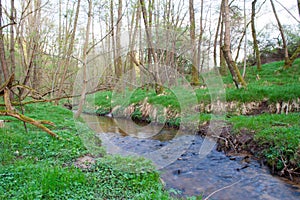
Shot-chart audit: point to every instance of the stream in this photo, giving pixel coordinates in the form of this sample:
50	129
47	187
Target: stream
176	156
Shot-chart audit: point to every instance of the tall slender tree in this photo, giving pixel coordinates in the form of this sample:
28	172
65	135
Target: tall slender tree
288	61
254	37
84	61
4	66
69	52
12	37
235	73
195	74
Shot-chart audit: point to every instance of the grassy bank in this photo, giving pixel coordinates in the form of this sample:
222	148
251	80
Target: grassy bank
275	136
271	84
34	165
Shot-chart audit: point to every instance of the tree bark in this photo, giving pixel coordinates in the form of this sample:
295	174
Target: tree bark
12	37
4	66
216	38
158	88
254	37
195	74
199	53
69	52
84	61
236	75
118	66
223	69
292	58
286	53
246	41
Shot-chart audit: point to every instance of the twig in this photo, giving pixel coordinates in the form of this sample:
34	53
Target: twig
207	198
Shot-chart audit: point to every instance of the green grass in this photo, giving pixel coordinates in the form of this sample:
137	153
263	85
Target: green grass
277	134
34	165
274	84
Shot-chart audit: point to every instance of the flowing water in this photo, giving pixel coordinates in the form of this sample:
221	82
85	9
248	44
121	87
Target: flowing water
176	155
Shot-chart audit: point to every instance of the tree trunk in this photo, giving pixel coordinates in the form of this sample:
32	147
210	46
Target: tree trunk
255	43
12	37
4	66
113	42
69	53
223	69
155	75
195	74
137	17
84	61
200	66
216	39
286	53
118	66
36	40
292	58
246	41
236	75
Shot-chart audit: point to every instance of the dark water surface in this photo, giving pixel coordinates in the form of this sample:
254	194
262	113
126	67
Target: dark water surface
176	155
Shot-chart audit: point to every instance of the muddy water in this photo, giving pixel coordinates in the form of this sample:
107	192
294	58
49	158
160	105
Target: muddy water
176	155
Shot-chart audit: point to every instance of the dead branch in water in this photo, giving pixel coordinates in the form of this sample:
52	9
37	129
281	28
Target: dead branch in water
207	198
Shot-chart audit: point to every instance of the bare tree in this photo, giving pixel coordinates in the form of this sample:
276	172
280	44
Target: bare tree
235	73
199	63
84	61
68	53
216	38
12	37
254	37
288	61
118	66
4	66
195	74
245	43
286	53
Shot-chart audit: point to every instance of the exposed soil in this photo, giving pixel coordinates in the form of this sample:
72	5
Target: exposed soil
243	144
84	162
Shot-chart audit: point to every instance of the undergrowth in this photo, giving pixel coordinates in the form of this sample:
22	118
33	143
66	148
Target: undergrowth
277	134
34	165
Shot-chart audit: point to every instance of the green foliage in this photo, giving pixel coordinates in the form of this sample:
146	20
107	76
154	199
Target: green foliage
42	181
37	145
34	165
102	102
271	83
263	121
277	134
283	146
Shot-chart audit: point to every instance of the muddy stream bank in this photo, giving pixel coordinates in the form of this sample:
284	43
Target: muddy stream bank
176	155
